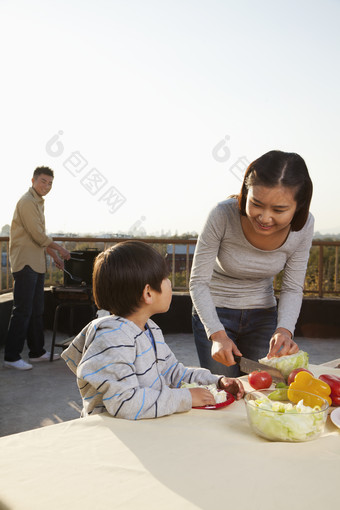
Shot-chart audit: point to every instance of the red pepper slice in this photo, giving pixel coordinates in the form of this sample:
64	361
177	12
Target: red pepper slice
335	400
333	381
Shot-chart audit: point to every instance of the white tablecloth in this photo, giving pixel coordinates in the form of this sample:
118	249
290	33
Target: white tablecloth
197	460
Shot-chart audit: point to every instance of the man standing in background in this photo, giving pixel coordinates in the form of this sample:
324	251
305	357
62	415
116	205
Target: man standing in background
28	247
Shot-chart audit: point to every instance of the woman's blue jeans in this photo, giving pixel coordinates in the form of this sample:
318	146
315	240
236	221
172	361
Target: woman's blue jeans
26	320
251	330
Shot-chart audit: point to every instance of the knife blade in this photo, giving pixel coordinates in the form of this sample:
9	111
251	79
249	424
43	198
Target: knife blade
249	365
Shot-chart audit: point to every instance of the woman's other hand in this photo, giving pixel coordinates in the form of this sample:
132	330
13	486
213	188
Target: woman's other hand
223	348
201	397
234	386
282	344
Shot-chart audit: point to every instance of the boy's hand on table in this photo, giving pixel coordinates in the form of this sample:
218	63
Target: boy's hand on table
201	397
234	386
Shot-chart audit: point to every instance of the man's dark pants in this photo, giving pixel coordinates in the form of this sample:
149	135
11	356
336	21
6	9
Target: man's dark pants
26	321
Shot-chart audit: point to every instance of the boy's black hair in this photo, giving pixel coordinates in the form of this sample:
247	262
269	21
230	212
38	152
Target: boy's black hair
121	273
278	168
42	170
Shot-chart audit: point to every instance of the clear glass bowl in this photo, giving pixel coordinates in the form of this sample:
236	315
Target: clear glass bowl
285	419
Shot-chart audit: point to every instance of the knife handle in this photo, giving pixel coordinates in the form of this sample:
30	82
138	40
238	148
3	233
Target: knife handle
237	358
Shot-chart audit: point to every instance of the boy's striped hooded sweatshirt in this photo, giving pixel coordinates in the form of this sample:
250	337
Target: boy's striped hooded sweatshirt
119	370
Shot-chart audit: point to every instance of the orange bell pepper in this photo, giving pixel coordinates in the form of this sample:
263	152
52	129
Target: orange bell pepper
305	382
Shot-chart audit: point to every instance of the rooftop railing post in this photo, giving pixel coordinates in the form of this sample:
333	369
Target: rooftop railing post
1	268
187	266
8	270
336	271
320	269
173	272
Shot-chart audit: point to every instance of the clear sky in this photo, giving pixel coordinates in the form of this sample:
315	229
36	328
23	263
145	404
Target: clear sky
148	110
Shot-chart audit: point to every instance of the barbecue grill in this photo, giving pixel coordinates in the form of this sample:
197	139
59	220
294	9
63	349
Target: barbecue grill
75	293
78	269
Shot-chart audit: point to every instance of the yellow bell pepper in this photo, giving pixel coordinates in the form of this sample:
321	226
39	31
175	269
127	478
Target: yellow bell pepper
305	382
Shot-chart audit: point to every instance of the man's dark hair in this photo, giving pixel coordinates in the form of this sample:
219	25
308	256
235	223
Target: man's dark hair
121	273
42	170
277	168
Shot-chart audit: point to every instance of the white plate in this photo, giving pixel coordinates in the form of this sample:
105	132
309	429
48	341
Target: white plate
335	417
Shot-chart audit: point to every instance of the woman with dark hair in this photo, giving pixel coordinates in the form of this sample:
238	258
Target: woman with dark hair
246	241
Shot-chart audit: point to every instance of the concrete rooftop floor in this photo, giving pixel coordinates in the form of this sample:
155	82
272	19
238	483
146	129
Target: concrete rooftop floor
48	393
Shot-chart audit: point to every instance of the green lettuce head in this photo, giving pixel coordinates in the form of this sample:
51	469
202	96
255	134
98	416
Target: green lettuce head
287	363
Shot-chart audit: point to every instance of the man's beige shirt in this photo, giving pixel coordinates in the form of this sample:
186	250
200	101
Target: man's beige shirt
28	238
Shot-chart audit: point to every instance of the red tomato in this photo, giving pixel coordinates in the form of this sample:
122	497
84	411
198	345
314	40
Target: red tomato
260	380
293	373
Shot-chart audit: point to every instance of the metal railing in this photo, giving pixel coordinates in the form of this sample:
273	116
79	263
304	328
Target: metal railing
322	277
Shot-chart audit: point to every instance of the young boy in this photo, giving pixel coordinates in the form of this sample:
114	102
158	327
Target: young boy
122	362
